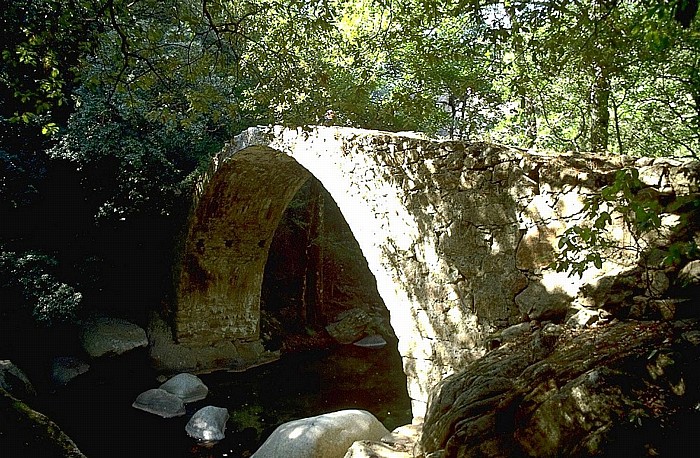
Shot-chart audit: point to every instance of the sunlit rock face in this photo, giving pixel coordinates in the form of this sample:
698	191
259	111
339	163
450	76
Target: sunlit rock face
458	236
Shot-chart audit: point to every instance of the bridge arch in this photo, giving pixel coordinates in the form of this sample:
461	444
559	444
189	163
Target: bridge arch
240	203
459	237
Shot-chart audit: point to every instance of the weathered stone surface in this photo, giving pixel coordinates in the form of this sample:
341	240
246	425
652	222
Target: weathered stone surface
452	232
104	336
621	388
404	438
583	318
535	248
208	424
14	381
66	368
187	387
168	356
539	304
324	436
690	274
24	432
515	331
160	402
657	283
369	449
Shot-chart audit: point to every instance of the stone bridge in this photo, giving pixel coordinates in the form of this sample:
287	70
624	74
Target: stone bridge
459	236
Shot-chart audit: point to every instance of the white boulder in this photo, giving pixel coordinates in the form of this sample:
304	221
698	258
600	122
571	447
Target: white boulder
208	424
160	402
324	436
187	387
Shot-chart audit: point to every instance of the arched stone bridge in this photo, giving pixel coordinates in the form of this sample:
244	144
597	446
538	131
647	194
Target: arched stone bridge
459	236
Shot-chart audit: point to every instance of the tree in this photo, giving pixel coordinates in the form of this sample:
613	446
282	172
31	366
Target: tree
122	100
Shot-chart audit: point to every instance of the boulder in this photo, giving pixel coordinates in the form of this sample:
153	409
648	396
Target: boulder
324	436
690	274
66	368
160	402
619	389
208	424
373	341
398	444
111	336
349	326
187	387
13	380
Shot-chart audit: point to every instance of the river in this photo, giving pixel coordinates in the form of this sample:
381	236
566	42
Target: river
95	410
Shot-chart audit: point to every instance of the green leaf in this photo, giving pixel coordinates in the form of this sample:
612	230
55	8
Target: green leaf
49	129
597	261
602	220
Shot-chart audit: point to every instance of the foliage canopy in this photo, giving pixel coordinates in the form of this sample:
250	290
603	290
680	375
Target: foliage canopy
120	100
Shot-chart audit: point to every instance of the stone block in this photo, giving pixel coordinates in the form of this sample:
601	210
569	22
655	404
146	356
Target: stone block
540	304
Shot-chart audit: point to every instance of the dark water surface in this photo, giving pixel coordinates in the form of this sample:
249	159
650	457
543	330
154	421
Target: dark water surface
95	411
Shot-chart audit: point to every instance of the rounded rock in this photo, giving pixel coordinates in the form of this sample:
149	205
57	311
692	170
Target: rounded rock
208	424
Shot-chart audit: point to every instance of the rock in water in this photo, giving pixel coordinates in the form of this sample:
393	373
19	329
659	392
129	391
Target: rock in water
349	326
160	402
373	341
187	387
111	336
66	368
208	424
324	436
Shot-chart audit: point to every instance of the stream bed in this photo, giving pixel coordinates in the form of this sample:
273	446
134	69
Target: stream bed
95	410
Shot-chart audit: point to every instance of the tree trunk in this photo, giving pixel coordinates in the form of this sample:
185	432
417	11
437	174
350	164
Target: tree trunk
527	118
600	113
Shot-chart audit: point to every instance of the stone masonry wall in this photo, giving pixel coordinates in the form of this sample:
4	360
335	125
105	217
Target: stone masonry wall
459	236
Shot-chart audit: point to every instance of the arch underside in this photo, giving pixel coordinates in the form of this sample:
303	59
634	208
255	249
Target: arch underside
227	246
